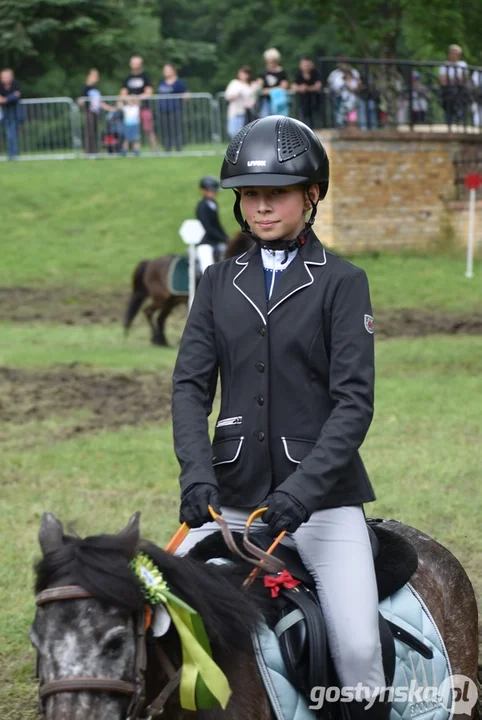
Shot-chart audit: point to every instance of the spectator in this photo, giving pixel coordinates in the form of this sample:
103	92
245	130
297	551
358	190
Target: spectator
241	96
453	78
91	102
213	244
368	101
132	126
419	99
171	109
307	86
273	77
477	97
138	82
344	83
10	110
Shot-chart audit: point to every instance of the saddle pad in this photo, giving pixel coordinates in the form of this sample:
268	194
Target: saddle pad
286	702
178	276
407	609
412	671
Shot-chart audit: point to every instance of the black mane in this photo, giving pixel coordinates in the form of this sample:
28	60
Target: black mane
100	564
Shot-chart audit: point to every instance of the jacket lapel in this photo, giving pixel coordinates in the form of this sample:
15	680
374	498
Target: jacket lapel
298	274
249	280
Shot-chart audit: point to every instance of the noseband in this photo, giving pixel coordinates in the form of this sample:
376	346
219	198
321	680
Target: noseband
136	689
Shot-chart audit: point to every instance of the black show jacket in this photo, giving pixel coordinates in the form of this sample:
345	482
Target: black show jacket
297	381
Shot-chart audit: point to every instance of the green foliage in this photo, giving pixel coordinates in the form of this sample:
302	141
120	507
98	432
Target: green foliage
52	43
396	28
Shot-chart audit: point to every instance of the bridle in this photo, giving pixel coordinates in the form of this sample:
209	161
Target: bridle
134	689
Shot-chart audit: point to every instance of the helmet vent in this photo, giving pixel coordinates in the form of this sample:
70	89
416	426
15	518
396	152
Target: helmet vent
291	140
234	147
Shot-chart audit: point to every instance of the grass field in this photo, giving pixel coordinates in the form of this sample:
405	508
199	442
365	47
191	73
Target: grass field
84	413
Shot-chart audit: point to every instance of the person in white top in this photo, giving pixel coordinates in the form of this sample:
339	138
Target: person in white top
477	97
453	77
241	96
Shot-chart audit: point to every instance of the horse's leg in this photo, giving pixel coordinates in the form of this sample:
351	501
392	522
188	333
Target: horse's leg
448	593
149	312
166	310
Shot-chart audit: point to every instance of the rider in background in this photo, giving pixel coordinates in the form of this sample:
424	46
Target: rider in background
288	326
213	245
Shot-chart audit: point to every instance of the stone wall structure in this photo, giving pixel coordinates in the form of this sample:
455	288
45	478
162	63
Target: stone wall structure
391	190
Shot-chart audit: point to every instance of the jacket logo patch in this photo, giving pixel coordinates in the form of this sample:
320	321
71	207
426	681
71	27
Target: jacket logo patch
369	324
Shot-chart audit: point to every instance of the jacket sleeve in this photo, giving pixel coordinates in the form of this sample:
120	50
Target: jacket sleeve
194	387
210	222
351	387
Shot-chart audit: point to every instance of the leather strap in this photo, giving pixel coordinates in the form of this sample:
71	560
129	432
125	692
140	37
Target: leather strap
64	592
109	685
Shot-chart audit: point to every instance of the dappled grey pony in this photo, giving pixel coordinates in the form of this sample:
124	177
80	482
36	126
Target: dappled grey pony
97	661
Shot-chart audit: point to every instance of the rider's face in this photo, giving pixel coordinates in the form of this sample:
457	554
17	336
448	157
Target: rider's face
276	213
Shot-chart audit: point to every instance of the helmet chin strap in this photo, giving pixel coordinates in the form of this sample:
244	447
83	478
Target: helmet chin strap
286	245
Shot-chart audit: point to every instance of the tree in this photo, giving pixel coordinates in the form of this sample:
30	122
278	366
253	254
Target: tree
401	28
54	42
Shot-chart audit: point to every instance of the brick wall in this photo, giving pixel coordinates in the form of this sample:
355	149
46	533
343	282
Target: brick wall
391	190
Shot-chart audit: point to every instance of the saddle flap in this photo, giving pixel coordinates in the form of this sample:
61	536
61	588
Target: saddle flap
302	637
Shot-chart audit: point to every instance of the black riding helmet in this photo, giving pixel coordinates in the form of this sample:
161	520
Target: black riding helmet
275	151
209	182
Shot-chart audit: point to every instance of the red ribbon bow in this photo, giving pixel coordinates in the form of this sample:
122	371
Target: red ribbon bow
276	582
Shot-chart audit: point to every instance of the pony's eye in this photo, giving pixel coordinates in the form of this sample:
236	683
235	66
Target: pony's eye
114	642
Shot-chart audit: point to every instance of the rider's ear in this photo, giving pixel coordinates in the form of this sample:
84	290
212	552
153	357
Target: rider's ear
51	533
312	192
131	533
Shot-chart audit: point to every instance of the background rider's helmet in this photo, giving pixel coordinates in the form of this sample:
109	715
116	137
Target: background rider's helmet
273	152
209	182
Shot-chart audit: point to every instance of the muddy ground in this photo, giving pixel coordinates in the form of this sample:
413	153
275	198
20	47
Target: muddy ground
87	401
80	307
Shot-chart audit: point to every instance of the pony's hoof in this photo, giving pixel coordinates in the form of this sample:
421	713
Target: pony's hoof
160	342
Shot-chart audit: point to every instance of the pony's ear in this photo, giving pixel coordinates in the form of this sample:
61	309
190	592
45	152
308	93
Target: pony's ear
131	533
51	533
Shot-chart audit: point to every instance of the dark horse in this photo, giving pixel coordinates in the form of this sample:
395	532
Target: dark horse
92	647
149	280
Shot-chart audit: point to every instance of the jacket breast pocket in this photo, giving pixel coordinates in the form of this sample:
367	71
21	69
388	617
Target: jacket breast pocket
227	451
295	449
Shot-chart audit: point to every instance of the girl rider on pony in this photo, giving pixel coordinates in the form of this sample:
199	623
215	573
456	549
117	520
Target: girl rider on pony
288	326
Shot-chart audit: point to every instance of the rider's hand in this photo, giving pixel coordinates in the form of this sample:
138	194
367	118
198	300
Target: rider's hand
194	504
284	513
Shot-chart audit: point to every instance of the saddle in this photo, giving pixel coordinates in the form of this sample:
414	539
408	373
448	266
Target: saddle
299	624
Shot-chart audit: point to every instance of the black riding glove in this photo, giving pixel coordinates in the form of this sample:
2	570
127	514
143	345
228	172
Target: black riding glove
194	504
284	513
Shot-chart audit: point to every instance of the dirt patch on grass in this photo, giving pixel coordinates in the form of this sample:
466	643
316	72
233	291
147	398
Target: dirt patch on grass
86	401
62	305
417	323
81	307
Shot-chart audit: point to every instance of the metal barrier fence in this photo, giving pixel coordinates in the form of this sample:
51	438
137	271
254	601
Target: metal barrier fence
59	128
402	95
358	93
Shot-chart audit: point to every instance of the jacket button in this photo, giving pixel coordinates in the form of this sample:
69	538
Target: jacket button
262	331
261	436
260	366
260	400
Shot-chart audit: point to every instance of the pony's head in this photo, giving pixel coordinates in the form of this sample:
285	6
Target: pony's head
91	638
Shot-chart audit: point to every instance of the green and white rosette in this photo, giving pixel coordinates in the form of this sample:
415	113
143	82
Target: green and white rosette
203	683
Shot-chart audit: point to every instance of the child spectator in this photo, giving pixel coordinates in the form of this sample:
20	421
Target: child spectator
132	126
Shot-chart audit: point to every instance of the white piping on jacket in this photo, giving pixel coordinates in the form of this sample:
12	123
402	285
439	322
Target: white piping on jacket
223	462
